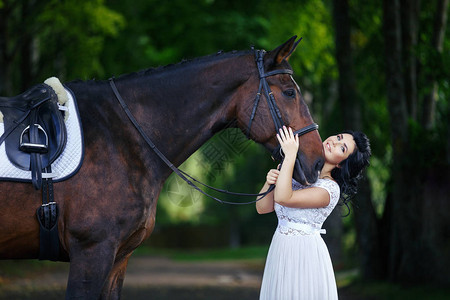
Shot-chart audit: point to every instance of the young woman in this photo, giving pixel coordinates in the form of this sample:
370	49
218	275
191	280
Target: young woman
298	264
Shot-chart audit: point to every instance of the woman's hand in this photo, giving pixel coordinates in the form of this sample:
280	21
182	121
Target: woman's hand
288	141
272	176
265	205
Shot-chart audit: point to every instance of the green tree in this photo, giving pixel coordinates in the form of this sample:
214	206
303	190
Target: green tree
39	39
414	254
159	33
398	232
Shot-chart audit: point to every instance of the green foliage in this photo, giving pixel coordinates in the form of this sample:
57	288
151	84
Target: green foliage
73	33
314	58
379	176
228	161
368	46
179	202
313	61
434	64
159	34
57	38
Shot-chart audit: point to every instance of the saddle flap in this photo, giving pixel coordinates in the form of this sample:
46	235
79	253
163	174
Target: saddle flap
36	108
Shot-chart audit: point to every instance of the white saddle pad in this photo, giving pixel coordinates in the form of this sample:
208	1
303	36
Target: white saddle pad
66	165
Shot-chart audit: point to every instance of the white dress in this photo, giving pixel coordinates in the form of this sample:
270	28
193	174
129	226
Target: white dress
298	264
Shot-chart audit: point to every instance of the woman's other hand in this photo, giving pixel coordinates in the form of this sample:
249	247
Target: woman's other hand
272	176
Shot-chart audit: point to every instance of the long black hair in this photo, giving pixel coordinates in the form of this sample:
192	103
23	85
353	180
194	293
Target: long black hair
350	170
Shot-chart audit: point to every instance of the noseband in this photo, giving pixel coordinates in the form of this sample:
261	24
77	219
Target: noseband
274	111
271	103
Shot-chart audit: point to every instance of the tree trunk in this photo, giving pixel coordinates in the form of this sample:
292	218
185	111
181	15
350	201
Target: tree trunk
365	218
368	235
16	46
26	50
415	210
5	82
349	102
397	200
429	102
434	237
410	25
333	238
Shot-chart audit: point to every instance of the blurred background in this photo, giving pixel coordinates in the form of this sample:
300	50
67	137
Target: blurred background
377	66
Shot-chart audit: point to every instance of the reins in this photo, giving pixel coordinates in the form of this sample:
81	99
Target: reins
274	111
177	171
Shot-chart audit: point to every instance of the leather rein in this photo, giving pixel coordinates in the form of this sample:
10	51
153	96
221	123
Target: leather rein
274	111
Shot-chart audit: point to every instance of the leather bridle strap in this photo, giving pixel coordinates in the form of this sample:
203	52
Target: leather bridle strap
307	129
271	103
299	132
273	108
264	86
189	179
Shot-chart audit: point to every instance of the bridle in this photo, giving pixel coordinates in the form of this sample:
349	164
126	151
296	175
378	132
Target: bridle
273	108
274	111
271	103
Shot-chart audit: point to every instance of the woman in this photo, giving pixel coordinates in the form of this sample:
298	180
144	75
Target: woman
298	264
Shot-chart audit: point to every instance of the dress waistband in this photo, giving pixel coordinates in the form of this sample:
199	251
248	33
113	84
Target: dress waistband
308	229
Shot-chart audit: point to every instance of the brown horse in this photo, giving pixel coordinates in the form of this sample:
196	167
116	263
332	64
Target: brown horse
108	208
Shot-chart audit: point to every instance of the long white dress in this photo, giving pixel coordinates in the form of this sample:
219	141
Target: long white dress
298	265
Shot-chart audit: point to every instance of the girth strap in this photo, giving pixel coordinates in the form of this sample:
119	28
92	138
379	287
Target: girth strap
47	215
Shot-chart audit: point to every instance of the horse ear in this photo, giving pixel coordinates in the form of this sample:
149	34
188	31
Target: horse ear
284	51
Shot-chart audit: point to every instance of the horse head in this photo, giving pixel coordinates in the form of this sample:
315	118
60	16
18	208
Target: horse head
261	119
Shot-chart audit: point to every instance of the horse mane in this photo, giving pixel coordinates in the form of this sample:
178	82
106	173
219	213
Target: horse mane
219	55
152	70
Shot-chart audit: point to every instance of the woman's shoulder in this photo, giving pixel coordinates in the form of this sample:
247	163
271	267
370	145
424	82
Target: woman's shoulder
326	182
321	182
331	186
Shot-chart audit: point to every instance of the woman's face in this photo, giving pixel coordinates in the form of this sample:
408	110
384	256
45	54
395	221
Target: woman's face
338	147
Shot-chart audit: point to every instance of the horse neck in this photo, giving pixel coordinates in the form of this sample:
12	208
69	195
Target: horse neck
180	107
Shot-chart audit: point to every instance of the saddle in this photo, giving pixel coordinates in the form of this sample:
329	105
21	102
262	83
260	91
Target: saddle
35	133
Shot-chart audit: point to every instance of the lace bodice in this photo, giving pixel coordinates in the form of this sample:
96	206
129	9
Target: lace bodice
312	217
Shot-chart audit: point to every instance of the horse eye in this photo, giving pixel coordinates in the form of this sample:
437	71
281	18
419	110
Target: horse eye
289	93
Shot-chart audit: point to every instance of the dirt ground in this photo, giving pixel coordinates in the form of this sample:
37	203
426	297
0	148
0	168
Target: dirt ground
158	278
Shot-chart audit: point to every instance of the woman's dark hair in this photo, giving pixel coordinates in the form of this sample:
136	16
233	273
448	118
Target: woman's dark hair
350	170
